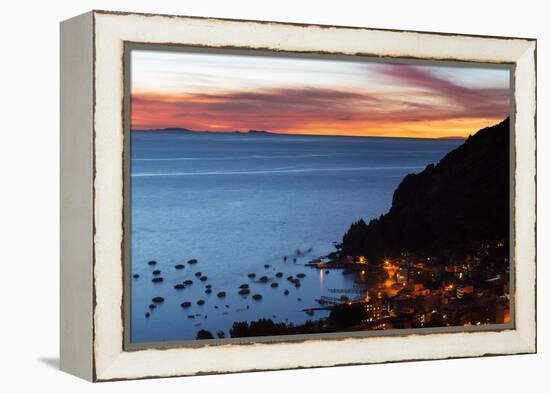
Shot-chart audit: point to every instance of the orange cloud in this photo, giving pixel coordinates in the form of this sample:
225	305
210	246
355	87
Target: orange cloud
431	107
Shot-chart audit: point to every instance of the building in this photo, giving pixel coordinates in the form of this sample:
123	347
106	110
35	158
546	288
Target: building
462	290
376	308
402	275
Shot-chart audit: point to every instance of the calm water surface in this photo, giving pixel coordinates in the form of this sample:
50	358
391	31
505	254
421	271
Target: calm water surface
237	202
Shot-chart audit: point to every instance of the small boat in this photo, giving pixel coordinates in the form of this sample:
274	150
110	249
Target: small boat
221	294
179	286
192	261
158	299
152	263
179	266
157	279
156	272
185	304
257	296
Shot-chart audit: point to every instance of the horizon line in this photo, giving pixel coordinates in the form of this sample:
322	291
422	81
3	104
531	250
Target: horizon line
265	132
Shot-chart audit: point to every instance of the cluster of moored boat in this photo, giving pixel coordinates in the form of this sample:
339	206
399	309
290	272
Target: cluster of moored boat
243	290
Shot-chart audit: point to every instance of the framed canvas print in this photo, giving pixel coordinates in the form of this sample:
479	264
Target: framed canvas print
246	195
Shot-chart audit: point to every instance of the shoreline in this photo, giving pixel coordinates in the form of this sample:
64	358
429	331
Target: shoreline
380	298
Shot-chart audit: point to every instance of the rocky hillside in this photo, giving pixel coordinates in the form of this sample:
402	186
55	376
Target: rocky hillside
461	200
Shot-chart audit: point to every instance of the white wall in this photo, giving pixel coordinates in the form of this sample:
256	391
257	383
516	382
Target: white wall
29	194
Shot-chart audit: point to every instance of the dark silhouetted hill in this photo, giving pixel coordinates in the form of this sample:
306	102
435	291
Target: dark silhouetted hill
462	200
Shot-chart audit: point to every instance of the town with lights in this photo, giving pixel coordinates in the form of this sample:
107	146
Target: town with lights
415	291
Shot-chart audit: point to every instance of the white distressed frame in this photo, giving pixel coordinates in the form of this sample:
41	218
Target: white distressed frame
109	361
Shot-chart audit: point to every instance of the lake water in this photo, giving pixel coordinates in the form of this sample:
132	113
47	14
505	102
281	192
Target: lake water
236	202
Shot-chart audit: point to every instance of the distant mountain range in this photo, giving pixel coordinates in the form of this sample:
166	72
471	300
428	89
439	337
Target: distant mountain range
168	129
181	129
260	132
450	206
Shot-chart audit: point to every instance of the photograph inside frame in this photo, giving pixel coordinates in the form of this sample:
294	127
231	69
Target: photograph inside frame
276	195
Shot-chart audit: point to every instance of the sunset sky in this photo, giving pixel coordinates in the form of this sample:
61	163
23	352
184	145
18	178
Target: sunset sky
221	92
